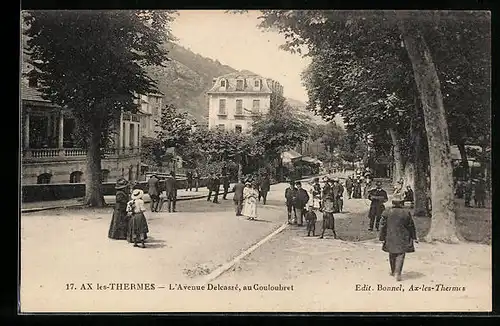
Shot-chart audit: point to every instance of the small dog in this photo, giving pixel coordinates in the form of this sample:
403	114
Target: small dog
311	219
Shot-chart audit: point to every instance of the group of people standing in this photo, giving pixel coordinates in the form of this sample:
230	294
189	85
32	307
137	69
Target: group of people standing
248	193
472	189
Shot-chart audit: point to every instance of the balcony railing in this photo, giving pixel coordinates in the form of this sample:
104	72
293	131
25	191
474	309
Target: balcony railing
75	152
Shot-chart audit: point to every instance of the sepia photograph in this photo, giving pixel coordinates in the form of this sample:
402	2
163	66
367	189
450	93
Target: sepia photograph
177	161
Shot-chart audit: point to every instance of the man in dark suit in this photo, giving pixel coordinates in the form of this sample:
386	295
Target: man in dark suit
264	188
398	233
216	186
154	192
171	191
378	197
301	199
225	185
290	194
189	180
238	197
210	185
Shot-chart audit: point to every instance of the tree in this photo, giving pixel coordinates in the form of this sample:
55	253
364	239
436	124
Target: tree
332	136
93	63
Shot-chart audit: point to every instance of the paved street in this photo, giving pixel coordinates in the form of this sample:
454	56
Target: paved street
60	247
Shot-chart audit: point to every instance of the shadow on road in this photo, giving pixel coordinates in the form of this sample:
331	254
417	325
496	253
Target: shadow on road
412	275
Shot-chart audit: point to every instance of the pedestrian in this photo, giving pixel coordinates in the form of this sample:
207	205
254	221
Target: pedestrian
210	185
189	180
349	186
468	192
301	199
119	221
238	197
409	196
290	195
368	187
196	179
250	197
398	234
264	187
328	209
479	193
171	192
225	185
138	226
154	192
356	189
378	197
311	219
338	191
316	194
216	188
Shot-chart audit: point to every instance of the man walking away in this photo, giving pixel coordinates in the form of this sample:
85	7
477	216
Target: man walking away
378	197
196	179
210	185
290	194
189	180
154	192
300	202
238	197
264	188
216	186
349	186
171	191
225	185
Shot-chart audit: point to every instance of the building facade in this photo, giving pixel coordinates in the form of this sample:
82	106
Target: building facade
50	153
236	99
150	109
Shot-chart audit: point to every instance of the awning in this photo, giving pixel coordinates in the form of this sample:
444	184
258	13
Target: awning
311	160
290	156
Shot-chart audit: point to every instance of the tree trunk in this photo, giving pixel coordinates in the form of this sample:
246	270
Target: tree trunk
93	188
463	157
420	190
443	225
398	158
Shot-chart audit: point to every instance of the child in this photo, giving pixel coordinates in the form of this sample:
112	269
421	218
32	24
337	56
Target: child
311	219
138	226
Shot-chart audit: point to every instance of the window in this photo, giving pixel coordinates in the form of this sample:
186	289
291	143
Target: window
256	106
223	83
131	173
239	107
75	177
257	83
104	175
44	178
131	136
239	85
222	106
238	129
221	127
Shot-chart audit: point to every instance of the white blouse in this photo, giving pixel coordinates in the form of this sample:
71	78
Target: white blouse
139	206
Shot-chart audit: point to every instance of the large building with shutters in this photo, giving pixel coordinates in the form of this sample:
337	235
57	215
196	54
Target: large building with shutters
236	99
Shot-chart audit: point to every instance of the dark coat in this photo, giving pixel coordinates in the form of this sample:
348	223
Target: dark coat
215	183
290	195
170	186
302	198
398	231
225	182
265	184
153	186
238	191
348	183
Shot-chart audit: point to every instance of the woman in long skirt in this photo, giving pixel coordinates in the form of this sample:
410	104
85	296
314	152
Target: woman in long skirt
119	221
250	197
328	218
138	226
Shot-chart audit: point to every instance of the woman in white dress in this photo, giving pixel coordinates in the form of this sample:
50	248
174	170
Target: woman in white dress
250	198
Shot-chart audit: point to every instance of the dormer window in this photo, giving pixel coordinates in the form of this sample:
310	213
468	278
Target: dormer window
223	83
239	85
257	83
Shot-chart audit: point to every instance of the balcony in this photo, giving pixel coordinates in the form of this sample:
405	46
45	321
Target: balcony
49	154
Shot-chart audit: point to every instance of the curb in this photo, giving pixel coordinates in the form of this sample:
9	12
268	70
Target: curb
224	268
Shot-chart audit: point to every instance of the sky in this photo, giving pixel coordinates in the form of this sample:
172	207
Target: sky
236	41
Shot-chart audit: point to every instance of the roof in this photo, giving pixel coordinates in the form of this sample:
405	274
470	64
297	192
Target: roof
290	155
248	84
31	94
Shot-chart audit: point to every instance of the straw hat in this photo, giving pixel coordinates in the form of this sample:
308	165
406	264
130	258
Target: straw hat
137	194
121	184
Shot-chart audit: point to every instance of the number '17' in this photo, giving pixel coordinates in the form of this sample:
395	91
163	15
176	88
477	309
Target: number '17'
70	286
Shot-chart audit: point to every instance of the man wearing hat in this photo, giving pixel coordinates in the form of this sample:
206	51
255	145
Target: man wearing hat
378	197
290	195
225	185
171	192
154	192
238	197
301	200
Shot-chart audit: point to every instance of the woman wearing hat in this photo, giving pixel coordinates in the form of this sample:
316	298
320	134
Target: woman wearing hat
398	234
250	197
138	226
119	221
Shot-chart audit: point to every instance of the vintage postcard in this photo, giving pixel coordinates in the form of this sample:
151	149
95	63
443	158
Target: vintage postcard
255	161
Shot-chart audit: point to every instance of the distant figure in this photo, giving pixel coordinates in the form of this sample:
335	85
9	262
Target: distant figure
264	187
398	191
171	192
216	188
119	221
138	226
349	186
409	196
328	209
225	186
290	195
250	197
311	219
398	234
378	197
189	180
238	197
154	192
210	185
316	194
479	193
468	192
356	189
338	191
196	179
301	199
